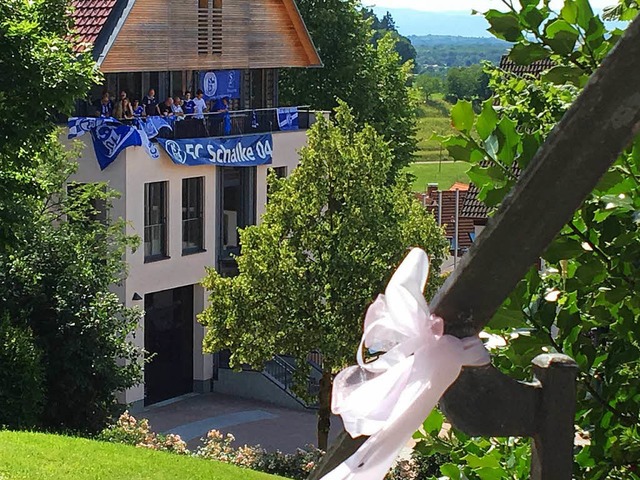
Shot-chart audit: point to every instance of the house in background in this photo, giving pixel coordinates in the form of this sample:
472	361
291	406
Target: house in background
442	204
187	216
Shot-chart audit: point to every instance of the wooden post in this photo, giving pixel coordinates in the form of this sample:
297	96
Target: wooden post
552	451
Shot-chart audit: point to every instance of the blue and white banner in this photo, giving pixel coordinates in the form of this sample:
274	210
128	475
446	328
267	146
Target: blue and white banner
288	118
153	125
111	136
78	126
220	84
245	151
110	140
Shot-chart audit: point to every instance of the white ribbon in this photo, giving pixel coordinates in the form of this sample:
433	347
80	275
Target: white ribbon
389	398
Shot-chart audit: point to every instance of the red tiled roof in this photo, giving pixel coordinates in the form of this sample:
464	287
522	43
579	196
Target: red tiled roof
89	17
463	187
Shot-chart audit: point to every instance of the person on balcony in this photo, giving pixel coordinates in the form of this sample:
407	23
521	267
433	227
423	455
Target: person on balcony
176	108
138	110
150	103
189	107
104	108
221	116
123	109
200	106
166	108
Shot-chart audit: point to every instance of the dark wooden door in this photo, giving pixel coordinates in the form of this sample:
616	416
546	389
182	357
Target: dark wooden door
168	337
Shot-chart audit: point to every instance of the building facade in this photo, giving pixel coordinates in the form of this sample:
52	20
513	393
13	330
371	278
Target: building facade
187	216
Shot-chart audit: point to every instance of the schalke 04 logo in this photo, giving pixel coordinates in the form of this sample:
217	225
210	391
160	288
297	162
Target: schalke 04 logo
210	86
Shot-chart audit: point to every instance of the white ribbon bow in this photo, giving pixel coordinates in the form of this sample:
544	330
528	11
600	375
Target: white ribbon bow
389	398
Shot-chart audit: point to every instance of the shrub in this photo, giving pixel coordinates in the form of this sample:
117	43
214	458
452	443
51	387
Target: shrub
130	431
296	465
21	392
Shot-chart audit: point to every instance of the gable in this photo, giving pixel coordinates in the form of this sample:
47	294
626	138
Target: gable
165	35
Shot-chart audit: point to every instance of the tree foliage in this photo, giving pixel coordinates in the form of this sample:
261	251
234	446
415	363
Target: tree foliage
381	27
372	80
467	83
40	77
329	239
62	330
585	302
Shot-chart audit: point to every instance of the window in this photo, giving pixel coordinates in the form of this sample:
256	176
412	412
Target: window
155	221
192	215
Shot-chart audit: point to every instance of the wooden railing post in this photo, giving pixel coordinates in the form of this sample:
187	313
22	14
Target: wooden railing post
552	449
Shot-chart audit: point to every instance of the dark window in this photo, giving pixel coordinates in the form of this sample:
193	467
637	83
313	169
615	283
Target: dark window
155	221
192	215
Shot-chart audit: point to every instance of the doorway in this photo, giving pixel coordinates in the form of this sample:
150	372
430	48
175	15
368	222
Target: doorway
168	339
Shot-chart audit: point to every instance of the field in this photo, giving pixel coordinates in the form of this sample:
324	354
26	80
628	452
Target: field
433	117
27	456
445	174
432	164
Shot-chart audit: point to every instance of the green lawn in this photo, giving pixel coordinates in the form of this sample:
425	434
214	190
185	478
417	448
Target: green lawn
433	117
28	456
445	174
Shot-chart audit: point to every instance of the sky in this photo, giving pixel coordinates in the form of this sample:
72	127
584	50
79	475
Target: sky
460	5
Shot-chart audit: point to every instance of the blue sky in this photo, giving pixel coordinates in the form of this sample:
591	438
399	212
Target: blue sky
461	5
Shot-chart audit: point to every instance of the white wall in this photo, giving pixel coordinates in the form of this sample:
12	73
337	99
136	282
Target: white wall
128	174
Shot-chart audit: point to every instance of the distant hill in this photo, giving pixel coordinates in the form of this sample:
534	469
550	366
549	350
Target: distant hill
416	22
456	51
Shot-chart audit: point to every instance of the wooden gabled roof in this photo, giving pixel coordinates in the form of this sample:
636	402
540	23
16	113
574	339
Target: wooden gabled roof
98	24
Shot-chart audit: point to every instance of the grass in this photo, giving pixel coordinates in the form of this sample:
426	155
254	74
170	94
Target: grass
27	456
433	117
450	173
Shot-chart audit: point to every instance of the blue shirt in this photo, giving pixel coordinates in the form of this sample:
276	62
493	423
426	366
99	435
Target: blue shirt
106	109
137	112
189	107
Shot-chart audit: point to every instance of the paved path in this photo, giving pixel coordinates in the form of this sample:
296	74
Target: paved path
249	421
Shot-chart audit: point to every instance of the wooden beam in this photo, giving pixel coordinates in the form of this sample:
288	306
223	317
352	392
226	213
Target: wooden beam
579	150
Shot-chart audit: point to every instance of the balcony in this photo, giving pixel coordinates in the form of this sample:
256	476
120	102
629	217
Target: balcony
243	122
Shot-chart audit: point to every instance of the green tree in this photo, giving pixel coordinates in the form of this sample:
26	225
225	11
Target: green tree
371	79
429	84
467	83
40	77
585	302
329	239
62	330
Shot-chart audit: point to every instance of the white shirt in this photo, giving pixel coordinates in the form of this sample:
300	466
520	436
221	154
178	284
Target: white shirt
200	105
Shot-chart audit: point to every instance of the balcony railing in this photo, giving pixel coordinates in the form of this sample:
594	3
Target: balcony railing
243	122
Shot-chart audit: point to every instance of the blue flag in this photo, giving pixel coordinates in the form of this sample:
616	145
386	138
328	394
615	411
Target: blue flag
78	126
244	151
220	84
109	141
153	125
288	118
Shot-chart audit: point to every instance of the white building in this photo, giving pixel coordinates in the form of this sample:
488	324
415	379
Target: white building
187	216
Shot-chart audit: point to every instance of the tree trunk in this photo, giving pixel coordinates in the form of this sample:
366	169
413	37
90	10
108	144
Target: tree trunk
324	410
